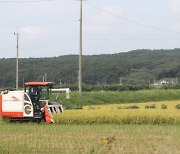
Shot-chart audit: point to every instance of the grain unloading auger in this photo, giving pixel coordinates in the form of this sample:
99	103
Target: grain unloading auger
32	104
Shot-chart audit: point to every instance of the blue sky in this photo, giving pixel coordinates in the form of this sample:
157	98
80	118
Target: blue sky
51	28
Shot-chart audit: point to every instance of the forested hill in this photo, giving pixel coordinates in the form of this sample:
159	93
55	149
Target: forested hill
139	66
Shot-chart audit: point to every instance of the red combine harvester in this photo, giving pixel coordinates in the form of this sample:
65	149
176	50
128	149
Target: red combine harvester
32	104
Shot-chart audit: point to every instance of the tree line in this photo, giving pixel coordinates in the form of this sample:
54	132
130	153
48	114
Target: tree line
133	68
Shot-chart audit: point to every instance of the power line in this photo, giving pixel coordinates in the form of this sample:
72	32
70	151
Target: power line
129	20
125	39
96	39
5	34
22	1
93	25
40	24
104	39
132	39
100	39
55	37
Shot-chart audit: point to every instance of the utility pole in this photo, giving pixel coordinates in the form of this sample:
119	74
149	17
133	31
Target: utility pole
176	80
23	82
149	83
120	81
45	77
17	56
154	80
80	51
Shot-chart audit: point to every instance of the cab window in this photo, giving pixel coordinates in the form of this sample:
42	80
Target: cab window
26	98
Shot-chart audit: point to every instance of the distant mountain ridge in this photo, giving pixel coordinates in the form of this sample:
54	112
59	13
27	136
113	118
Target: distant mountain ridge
138	66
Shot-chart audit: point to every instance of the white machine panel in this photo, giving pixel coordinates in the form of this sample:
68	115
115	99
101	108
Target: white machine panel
13	101
28	107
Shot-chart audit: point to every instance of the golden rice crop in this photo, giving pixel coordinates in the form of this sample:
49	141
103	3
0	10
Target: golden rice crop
108	114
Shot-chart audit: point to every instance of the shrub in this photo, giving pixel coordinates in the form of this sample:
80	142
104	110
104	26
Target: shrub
129	107
177	106
74	107
106	87
150	106
163	106
133	107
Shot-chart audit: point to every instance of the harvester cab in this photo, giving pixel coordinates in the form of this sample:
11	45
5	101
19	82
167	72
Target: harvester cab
39	93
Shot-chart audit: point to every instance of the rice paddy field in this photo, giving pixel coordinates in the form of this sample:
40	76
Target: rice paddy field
142	128
165	112
89	139
102	122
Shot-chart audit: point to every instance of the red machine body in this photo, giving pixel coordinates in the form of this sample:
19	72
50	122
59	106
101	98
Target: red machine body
31	104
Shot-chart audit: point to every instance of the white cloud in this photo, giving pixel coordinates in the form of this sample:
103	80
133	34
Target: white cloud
176	27
32	30
103	22
175	6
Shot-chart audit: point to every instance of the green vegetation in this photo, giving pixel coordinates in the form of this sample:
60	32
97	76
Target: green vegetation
34	138
135	67
1	120
164	106
129	107
116	87
150	106
177	106
109	97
